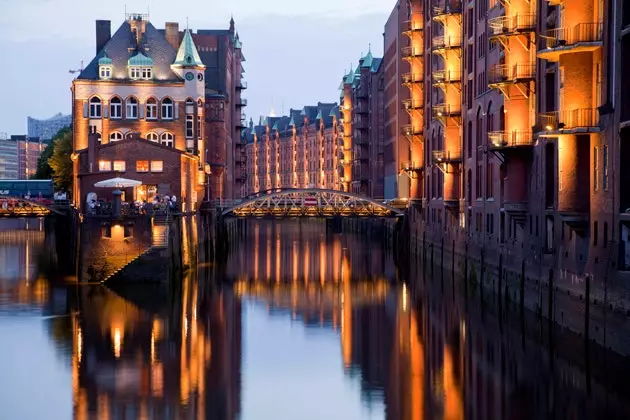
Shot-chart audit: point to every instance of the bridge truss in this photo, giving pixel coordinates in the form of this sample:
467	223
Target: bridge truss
22	207
310	202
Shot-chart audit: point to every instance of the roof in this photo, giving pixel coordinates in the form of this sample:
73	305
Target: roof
366	62
122	46
376	64
105	60
187	54
140	60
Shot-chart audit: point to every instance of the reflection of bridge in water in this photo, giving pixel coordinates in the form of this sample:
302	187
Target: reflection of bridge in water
310	202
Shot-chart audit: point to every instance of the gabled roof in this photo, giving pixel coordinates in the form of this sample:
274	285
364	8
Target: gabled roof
187	54
122	46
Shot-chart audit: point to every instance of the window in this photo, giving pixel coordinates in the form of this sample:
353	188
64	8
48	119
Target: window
95	107
198	126
119	165
595	168
99	138
157	166
152	137
115	108
152	109
167	109
115	136
105	72
104	165
167	139
189	126
132	108
145	73
142	166
605	164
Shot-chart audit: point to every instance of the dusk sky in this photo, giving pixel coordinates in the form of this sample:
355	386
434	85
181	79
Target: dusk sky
296	51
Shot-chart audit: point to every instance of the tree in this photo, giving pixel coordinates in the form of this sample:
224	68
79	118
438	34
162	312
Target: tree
44	171
60	161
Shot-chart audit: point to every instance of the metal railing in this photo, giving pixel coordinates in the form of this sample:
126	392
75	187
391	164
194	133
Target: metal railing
410	104
500	139
504	25
446	156
504	73
412	51
412	130
241	102
411	166
447	76
413	25
568	120
446	110
447	7
241	85
566	37
442	42
412	78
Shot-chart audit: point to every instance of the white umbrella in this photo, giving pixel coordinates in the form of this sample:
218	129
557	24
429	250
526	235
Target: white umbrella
118	183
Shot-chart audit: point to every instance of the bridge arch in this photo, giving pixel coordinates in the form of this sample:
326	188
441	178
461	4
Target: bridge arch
310	202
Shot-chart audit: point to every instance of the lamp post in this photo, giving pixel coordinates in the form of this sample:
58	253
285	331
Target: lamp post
208	172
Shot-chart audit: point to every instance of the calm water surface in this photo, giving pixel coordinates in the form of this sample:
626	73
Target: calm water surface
298	324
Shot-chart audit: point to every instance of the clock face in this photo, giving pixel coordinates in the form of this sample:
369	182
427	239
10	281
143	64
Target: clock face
190	76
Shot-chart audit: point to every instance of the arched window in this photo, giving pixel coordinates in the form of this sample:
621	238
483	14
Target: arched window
167	139
99	138
490	120
95	107
132	108
152	137
152	109
167	109
115	108
115	136
190	106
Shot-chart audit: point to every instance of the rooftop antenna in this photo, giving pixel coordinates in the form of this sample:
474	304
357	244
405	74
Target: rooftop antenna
186	23
79	70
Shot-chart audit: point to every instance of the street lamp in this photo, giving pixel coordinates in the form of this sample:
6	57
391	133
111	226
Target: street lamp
208	172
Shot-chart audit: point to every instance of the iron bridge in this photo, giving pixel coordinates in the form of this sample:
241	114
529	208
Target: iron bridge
309	202
21	207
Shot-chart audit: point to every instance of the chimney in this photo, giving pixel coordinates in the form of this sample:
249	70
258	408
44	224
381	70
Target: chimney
172	34
103	33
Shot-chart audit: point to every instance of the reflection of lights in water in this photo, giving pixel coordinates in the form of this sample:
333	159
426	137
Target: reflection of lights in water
185	327
462	327
79	343
117	341
152	347
404	296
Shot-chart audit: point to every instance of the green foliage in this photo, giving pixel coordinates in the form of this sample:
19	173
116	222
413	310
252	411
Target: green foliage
60	161
44	171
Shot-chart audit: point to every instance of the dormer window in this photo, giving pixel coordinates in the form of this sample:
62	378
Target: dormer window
140	73
105	72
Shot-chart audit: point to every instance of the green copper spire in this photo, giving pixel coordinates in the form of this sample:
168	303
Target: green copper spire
366	62
187	54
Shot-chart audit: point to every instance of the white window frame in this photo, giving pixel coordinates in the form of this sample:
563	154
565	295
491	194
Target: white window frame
190	126
96	107
105	72
153	137
167	140
115	136
152	109
157	166
167	109
115	108
131	107
141	72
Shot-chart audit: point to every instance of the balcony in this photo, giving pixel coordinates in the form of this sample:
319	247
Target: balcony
411	166
446	156
583	37
441	78
361	108
241	124
446	8
442	43
411	52
504	74
410	130
504	26
412	104
411	26
568	122
443	111
499	140
409	78
241	85
241	102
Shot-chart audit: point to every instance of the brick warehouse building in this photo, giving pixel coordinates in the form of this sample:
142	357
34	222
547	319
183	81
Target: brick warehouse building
151	86
301	150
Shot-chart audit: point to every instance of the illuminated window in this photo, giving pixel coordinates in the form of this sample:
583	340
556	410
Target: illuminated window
142	166
115	108
167	109
152	109
95	107
105	72
145	73
104	165
119	165
152	137
115	136
157	166
132	108
167	139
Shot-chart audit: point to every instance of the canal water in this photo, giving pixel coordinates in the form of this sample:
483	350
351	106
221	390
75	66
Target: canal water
298	323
